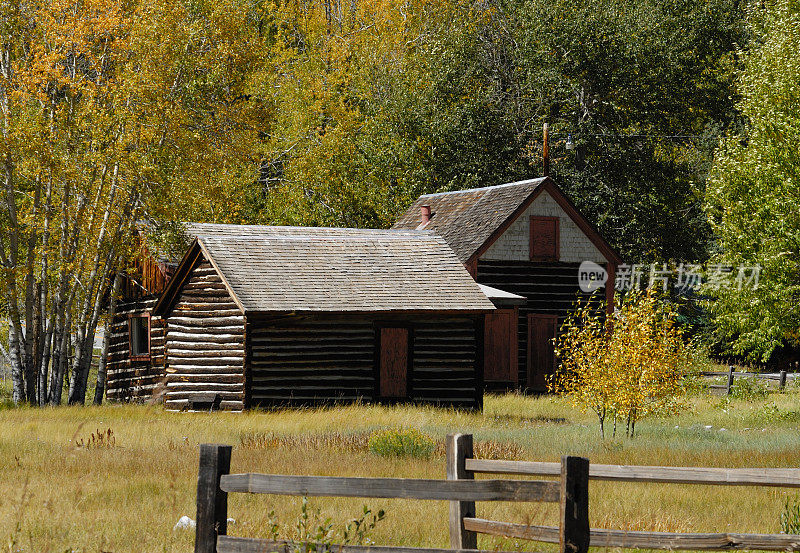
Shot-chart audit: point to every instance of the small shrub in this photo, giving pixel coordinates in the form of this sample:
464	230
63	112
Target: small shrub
624	367
311	533
749	389
403	442
771	413
790	516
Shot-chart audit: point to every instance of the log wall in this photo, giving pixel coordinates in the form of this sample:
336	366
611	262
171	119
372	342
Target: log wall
310	361
447	362
205	344
128	379
326	359
550	288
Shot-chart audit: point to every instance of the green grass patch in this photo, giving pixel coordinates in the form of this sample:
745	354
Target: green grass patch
401	442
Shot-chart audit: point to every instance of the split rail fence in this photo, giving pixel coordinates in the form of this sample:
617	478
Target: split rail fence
781	378
462	490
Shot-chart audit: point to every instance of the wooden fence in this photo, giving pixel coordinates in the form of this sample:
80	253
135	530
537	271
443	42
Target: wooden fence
462	490
780	378
215	483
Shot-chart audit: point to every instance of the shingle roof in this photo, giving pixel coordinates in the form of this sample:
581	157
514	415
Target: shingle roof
467	218
342	270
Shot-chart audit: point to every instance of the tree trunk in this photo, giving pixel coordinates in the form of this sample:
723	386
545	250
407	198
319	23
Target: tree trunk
80	375
102	367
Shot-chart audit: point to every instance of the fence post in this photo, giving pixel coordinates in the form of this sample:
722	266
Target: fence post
574	527
782	382
730	380
212	502
459	448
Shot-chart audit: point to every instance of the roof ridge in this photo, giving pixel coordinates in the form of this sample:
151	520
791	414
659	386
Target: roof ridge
413	235
483	188
295	227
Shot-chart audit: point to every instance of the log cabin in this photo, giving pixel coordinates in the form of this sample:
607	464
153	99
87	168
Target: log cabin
265	316
529	239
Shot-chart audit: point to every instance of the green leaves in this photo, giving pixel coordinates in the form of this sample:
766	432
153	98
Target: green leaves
754	192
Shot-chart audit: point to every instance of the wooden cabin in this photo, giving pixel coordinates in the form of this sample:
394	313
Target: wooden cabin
526	238
290	315
135	357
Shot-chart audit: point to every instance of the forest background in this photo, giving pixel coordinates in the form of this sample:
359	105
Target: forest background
680	114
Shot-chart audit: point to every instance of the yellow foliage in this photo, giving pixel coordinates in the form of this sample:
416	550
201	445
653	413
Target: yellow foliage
624	367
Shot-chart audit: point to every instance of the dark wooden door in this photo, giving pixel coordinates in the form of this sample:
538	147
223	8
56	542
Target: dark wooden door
394	361
500	347
541	352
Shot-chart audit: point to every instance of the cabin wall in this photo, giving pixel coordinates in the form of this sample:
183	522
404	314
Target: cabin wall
448	362
550	288
514	243
128	379
322	359
300	360
205	344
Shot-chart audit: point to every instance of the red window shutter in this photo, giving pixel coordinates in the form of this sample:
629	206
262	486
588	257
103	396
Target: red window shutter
544	241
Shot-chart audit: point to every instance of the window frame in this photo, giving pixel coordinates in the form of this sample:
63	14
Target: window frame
557	238
140	356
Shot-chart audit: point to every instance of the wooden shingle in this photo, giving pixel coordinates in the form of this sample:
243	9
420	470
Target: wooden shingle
467	218
297	269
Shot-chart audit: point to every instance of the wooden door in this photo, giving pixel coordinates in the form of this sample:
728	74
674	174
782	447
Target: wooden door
500	347
394	360
541	351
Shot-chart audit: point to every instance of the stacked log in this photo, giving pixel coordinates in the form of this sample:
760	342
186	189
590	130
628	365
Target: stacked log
205	344
133	379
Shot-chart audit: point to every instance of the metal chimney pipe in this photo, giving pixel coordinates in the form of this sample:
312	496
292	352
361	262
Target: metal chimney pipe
546	150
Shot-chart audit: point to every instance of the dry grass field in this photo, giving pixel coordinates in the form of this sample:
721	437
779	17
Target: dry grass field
59	491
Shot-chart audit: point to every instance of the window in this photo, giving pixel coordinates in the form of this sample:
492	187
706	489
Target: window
139	335
544	241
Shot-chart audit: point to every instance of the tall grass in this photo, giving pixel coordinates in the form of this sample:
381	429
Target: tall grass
59	494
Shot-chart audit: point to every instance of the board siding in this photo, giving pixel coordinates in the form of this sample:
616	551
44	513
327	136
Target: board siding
550	288
205	344
313	360
128	379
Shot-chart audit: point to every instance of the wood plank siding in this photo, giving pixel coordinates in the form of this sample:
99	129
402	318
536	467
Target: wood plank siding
551	289
205	343
134	379
324	359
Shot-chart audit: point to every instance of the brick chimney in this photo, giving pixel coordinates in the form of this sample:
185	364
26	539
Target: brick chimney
425	213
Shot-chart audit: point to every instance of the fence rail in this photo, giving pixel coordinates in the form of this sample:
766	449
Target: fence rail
400	488
601	537
780	377
571	491
231	544
780	478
